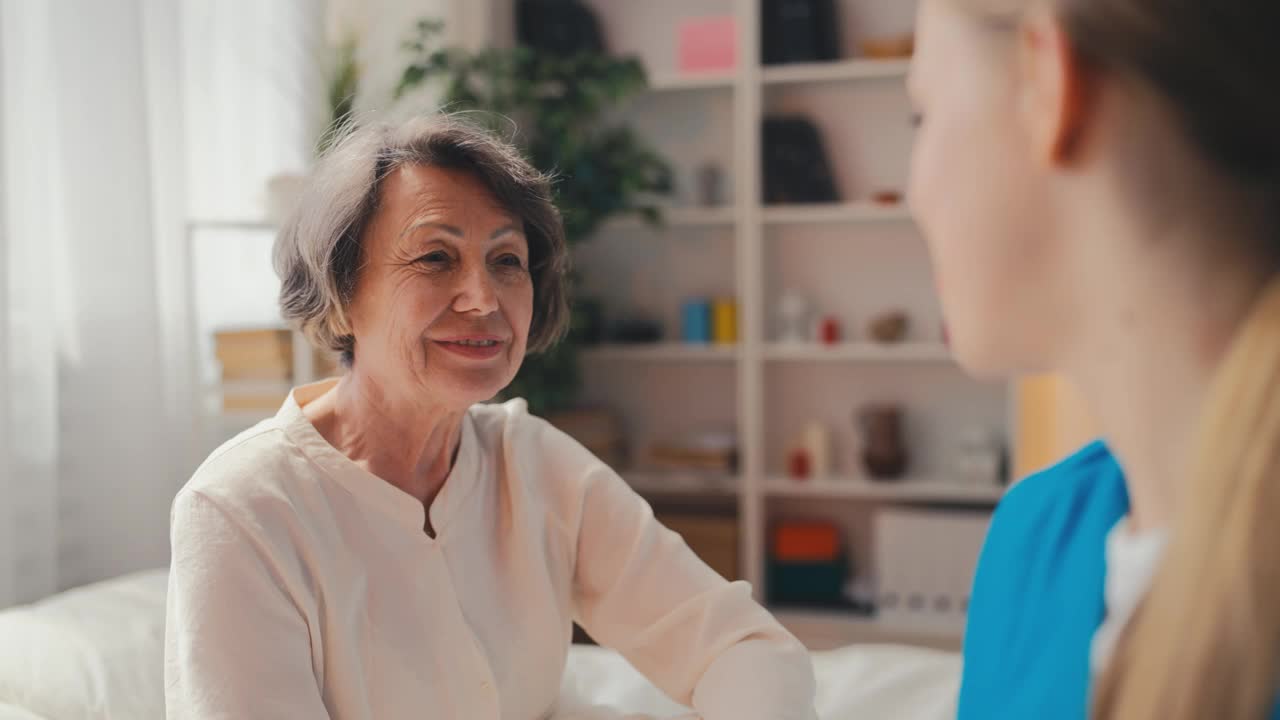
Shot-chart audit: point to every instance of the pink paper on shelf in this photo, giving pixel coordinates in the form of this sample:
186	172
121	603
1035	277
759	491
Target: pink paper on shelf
708	44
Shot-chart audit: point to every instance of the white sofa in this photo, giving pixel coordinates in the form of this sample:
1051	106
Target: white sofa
96	652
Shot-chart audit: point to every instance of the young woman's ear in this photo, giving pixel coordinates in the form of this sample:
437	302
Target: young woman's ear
1058	93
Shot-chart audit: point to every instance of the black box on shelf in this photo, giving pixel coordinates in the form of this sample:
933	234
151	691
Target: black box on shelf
813	582
798	31
795	163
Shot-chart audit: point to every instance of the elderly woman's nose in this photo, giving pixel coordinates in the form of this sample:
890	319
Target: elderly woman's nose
476	290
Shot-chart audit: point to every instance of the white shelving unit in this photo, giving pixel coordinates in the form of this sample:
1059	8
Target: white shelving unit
856	257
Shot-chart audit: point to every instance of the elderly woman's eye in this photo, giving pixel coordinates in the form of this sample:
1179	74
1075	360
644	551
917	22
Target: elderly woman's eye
434	257
512	261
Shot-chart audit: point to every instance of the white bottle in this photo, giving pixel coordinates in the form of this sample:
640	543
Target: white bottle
816	441
978	460
793	318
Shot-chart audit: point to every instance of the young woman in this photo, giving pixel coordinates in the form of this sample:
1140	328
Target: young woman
1099	185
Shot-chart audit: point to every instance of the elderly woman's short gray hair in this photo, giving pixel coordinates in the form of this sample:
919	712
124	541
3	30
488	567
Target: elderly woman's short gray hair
318	251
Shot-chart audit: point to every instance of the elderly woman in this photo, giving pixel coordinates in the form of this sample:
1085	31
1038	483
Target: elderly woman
385	546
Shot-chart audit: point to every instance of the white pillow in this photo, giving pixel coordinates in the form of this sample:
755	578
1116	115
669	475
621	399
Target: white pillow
93	652
13	712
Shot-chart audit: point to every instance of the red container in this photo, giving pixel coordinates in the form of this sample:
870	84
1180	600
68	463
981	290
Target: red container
799	464
829	330
806	542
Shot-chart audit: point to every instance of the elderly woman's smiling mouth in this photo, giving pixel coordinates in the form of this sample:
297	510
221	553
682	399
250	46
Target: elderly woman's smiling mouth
474	346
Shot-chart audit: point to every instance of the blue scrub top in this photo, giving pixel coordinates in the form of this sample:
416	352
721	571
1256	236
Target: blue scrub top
1038	594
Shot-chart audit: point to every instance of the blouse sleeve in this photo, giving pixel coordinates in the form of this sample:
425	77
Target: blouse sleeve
236	644
702	640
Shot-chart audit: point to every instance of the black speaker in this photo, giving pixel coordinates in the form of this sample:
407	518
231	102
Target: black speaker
795	163
799	31
558	27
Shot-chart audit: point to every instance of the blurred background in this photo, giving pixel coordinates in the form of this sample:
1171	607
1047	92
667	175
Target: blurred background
756	347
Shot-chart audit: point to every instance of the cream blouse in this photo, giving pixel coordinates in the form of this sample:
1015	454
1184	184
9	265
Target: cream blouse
302	586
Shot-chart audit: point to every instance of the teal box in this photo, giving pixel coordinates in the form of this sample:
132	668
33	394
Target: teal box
820	582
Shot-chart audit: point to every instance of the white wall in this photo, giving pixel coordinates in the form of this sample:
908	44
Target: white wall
383	26
253	86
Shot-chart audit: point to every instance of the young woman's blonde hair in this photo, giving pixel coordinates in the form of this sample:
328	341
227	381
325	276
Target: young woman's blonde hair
1206	641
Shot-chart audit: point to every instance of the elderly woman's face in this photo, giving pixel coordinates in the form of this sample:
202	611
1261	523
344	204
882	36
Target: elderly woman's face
444	296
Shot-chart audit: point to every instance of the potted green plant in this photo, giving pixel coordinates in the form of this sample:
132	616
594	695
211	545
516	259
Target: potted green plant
556	109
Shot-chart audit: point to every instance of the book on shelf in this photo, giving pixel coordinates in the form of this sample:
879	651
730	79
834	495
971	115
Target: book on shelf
261	400
597	429
254	339
259	371
254	354
675	458
712	451
713	538
267	355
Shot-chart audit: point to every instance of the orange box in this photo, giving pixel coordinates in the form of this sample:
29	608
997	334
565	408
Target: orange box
806	542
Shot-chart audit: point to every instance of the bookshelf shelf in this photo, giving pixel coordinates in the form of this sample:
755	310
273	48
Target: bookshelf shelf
682	483
857	212
679	82
907	352
908	490
662	352
680	217
836	71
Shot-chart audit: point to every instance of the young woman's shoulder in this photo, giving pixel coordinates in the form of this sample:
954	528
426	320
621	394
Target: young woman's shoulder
1037	594
1075	501
1072	485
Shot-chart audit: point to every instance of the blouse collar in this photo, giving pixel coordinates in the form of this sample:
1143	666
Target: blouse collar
371	489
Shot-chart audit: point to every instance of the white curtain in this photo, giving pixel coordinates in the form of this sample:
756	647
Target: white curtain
123	125
122	121
92	412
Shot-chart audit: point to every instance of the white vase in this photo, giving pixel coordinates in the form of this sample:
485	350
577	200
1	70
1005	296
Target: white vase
795	316
283	192
978	460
